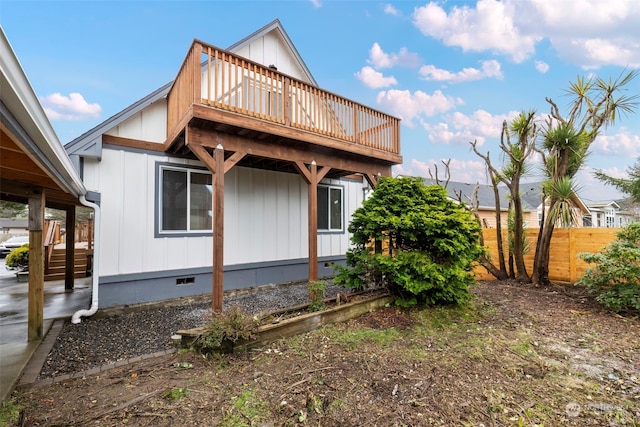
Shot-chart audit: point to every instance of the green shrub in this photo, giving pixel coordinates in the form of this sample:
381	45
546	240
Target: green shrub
229	326
616	275
18	258
316	294
433	243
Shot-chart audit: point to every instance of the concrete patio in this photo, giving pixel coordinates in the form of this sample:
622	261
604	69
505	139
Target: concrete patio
15	350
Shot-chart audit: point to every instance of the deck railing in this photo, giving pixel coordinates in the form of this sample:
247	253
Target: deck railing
223	80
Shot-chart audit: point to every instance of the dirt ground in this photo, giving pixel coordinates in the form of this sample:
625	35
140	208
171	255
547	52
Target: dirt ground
515	356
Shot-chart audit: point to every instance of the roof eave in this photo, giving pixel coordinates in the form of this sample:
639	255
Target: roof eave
23	113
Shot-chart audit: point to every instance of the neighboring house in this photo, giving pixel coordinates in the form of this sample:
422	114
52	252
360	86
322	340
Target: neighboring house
608	214
14	226
243	143
482	196
532	194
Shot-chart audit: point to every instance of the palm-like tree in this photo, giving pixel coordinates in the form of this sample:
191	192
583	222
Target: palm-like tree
595	103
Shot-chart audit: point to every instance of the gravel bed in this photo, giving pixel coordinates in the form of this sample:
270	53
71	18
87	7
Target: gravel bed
105	339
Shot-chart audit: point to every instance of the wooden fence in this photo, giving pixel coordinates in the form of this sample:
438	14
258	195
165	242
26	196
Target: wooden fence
566	244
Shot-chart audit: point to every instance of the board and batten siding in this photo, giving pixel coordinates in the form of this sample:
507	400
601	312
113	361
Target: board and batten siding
268	50
148	125
265	216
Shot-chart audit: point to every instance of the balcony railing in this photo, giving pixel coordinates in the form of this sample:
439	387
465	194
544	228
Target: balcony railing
220	79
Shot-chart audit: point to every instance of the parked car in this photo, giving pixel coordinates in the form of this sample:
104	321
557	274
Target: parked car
12	243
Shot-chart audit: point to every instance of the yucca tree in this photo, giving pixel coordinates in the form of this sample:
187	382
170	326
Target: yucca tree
517	143
595	103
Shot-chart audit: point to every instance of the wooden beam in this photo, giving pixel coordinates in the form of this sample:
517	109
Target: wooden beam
208	159
313	223
322	173
242	121
20	191
132	143
36	268
203	155
70	249
304	171
371	179
218	231
233	160
282	152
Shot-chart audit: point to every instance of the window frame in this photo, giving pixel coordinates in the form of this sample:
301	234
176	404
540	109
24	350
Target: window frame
159	231
330	230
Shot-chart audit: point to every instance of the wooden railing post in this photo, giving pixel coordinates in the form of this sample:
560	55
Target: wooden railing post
286	93
356	124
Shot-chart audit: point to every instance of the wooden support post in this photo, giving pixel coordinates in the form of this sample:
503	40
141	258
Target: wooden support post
313	223
70	254
36	268
312	176
218	230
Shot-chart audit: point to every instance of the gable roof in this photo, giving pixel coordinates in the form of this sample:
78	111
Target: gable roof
276	26
486	198
603	204
90	143
6	223
530	194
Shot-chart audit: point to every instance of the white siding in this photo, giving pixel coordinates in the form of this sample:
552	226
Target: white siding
149	124
265	217
269	50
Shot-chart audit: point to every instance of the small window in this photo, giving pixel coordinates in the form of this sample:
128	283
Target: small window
330	212
185	200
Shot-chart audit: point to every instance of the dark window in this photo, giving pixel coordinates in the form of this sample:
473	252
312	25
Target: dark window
329	208
185	200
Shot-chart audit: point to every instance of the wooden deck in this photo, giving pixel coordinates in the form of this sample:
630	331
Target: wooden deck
226	96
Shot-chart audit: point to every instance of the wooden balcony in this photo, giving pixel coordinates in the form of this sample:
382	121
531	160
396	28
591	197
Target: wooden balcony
217	91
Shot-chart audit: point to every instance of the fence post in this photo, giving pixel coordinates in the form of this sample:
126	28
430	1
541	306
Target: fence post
573	256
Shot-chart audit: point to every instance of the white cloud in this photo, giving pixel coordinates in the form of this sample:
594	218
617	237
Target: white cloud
470	171
379	59
588	33
488	26
374	79
460	129
542	66
408	106
623	143
69	108
390	10
591	189
489	69
316	3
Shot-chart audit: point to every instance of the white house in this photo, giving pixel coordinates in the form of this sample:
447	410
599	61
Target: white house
607	214
243	143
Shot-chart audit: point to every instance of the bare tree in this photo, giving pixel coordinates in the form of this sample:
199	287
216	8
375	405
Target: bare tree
484	260
524	130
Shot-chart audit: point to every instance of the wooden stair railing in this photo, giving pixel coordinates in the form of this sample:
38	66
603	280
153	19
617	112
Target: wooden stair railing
51	237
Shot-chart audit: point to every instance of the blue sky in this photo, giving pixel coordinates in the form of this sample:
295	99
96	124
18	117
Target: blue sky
452	70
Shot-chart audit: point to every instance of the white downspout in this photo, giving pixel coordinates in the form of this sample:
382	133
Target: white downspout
96	257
